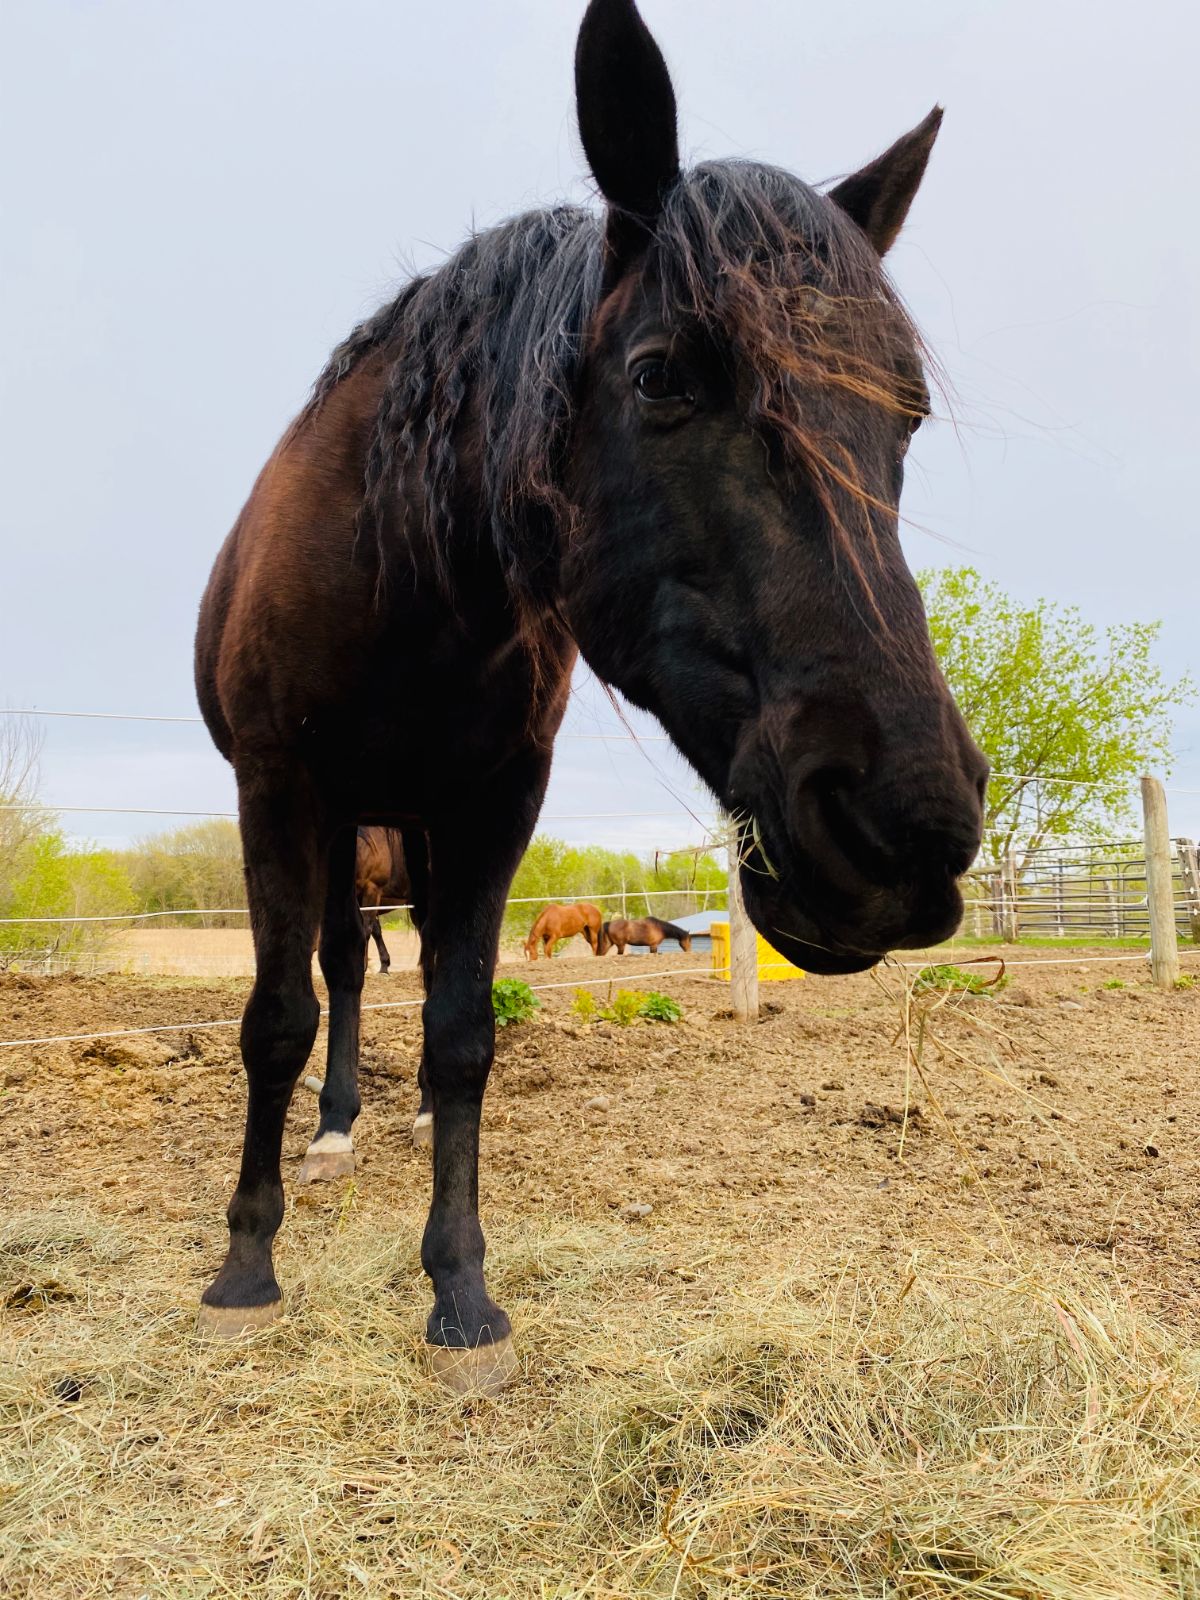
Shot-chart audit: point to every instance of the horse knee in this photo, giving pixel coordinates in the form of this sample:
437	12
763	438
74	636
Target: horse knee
460	1040
342	956
279	1028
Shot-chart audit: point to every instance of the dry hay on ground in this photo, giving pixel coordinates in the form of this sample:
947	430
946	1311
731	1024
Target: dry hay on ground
842	1355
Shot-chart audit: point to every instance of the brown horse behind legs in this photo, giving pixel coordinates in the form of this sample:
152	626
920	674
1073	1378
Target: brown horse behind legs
380	879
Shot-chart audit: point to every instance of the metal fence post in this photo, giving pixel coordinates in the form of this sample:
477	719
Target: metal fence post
1160	893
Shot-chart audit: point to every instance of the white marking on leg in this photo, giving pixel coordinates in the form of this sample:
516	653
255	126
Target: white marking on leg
423	1119
331	1144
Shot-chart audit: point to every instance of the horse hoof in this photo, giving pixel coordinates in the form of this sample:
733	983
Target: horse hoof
422	1131
330	1156
226	1323
486	1369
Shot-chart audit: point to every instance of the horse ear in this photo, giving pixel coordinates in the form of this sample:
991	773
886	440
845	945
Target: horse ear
878	196
626	109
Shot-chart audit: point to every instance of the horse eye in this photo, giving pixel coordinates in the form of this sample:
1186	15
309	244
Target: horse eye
655	381
914	420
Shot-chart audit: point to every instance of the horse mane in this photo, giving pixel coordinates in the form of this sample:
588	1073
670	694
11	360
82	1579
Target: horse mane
777	278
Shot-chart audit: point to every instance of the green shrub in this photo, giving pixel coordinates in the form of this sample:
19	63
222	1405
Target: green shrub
626	1006
513	1001
584	1005
661	1008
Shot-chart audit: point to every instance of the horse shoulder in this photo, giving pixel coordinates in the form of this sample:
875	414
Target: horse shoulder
272	628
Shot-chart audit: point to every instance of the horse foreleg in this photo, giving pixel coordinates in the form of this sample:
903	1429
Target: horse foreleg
283	853
416	858
342	953
472	866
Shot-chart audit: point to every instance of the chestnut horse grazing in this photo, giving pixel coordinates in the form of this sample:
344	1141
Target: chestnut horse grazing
646	930
563	922
671	436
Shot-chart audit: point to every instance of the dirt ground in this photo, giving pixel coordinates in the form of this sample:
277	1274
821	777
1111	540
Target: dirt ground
215	952
229	952
1055	1122
1067	1110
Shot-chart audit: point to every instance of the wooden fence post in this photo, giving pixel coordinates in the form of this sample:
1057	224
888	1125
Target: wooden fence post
1189	858
743	941
1160	894
1010	927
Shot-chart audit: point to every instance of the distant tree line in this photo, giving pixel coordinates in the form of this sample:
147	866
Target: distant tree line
198	868
1068	714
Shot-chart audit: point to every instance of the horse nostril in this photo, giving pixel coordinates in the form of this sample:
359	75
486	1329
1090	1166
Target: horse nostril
837	827
884	833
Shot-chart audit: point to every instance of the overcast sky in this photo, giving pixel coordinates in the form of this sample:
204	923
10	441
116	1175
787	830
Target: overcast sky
202	198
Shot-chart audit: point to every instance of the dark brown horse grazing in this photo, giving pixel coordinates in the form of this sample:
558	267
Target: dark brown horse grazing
646	930
380	879
673	436
564	922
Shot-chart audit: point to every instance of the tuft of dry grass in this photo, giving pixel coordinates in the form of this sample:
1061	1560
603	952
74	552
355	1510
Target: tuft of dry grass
726	1428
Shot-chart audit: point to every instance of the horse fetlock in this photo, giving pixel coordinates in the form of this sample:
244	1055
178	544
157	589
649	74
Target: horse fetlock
246	1287
464	1316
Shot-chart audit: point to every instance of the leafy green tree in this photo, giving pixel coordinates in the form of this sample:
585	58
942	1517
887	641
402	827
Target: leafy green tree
624	883
1069	715
21	817
53	879
194	867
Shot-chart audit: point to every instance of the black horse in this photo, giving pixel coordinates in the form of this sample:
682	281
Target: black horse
672	436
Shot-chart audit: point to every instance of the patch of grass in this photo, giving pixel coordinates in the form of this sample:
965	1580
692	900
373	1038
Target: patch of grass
1185	980
56	1235
956	979
1112	983
513	1001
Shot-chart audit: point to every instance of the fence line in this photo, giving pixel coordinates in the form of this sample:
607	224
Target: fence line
695	975
136	716
381	911
377	1005
164	811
